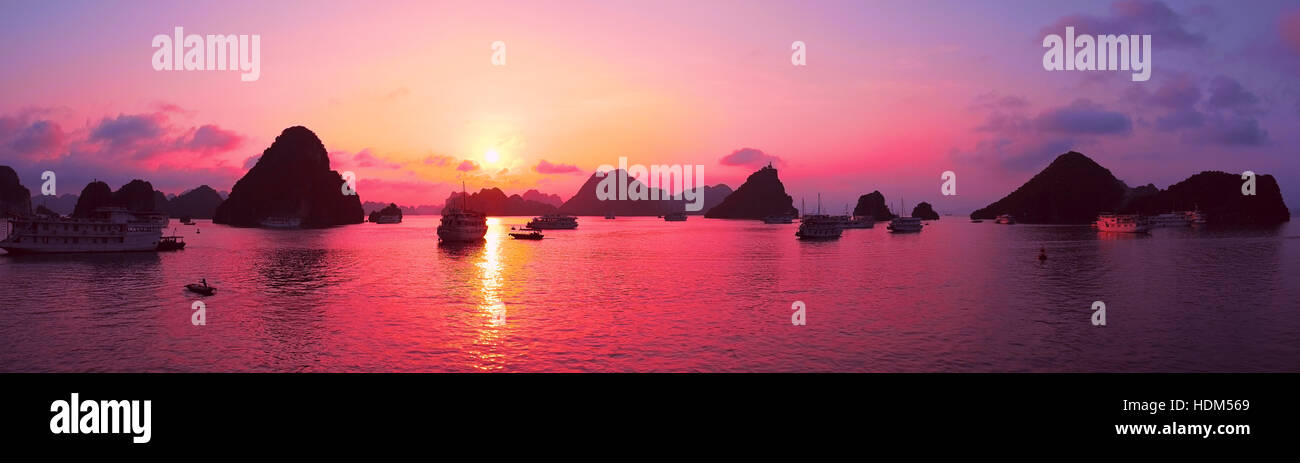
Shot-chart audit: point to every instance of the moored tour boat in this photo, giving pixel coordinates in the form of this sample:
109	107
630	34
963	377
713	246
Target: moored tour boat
110	229
1006	219
819	227
905	225
1170	220
675	217
859	221
554	222
462	226
1121	223
281	222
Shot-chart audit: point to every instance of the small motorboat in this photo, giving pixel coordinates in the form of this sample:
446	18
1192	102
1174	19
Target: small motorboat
201	288
527	234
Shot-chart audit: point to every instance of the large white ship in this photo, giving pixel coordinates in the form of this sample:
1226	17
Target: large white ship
111	229
462	226
459	224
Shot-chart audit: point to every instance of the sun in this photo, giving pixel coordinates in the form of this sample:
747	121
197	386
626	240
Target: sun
491	156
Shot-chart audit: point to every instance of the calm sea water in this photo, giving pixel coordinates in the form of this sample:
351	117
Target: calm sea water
640	294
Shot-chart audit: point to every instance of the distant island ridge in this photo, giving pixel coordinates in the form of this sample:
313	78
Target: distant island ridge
293	178
1074	189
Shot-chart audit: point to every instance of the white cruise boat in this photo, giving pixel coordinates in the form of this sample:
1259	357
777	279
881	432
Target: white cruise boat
111	229
553	222
1006	219
387	218
1195	218
281	222
1121	223
1168	221
462	226
905	225
819	227
859	221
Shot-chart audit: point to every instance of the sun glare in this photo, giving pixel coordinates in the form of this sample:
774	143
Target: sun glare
491	156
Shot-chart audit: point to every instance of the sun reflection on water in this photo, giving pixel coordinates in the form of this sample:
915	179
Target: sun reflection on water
491	308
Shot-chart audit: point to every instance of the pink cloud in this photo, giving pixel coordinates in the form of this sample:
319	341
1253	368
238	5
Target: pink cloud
748	157
1289	28
544	167
467	166
210	138
366	159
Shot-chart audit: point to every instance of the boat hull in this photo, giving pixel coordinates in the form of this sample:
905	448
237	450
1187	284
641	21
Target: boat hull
24	248
461	234
1140	229
815	237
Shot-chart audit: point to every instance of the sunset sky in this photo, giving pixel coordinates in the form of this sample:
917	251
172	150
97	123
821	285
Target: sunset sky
893	94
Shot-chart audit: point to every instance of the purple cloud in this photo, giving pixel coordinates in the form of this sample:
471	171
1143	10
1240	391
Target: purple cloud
1133	17
467	166
1083	117
1231	131
748	157
40	138
1227	93
544	167
127	130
